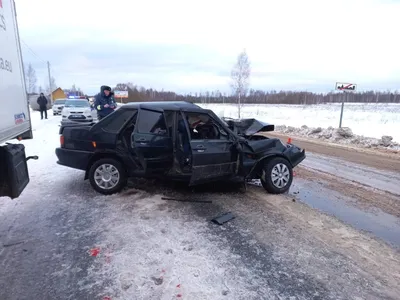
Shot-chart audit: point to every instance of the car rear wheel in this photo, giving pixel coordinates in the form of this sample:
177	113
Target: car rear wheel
107	176
277	175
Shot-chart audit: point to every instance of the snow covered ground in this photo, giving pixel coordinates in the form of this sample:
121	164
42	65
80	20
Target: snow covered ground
369	120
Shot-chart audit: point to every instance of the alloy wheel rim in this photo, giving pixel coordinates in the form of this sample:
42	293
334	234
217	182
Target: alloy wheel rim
106	176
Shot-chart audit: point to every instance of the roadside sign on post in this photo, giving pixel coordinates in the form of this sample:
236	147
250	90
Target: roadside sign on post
345	88
121	94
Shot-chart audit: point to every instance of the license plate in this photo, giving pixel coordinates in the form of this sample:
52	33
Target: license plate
77	116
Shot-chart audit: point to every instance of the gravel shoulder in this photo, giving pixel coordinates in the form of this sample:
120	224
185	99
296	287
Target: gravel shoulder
378	158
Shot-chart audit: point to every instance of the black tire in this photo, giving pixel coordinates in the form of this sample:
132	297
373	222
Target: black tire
117	166
266	175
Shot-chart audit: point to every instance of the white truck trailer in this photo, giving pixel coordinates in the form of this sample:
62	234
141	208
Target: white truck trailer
15	121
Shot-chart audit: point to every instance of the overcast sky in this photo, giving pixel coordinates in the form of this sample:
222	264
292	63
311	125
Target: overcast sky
191	46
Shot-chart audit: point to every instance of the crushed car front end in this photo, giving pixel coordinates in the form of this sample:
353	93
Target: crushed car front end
254	152
264	158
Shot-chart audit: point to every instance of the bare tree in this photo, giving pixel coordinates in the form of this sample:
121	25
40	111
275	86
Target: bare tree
240	78
31	79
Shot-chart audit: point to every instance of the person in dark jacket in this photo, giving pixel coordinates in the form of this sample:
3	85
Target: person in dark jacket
104	102
42	101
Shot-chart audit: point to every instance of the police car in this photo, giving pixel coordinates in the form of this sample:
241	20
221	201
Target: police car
58	106
76	110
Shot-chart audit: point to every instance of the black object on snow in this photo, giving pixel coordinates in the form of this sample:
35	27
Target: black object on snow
223	218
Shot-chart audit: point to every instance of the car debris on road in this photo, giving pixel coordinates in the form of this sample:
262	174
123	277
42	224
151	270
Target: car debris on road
223	218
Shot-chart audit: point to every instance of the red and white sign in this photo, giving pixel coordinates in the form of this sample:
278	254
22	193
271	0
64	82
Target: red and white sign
348	87
121	94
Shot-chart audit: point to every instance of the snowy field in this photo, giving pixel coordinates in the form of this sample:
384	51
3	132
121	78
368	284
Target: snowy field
369	120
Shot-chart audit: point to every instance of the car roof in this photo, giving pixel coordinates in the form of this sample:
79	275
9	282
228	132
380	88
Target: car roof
164	105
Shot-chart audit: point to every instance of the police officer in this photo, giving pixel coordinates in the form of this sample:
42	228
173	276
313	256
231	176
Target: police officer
104	102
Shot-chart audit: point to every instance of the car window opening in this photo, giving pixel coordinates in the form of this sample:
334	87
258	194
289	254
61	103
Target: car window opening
203	127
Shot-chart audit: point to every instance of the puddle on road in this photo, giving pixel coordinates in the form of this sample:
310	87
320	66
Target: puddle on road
380	224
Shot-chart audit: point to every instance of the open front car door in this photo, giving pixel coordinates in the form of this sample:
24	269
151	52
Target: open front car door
213	149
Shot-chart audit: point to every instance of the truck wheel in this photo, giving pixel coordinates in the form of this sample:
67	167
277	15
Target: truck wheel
107	176
277	175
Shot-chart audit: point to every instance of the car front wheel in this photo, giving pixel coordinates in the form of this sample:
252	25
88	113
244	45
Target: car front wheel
277	175
107	176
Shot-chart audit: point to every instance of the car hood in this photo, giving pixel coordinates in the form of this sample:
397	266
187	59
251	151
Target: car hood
248	127
76	109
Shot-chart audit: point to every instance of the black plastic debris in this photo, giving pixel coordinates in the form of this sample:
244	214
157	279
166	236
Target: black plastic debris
223	218
186	200
13	244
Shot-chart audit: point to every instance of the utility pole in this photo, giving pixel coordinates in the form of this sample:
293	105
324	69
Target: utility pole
50	87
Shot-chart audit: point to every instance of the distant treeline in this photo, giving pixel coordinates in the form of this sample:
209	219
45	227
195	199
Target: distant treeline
141	94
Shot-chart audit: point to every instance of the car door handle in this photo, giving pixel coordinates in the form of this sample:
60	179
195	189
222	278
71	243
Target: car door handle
143	141
200	148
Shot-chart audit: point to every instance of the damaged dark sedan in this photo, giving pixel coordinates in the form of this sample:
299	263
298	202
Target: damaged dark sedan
178	140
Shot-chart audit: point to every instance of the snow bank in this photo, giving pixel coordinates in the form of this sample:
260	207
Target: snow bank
369	120
344	136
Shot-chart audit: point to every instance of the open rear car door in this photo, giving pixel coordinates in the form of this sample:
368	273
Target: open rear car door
152	142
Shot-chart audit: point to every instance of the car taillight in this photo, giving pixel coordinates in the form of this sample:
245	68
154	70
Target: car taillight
62	140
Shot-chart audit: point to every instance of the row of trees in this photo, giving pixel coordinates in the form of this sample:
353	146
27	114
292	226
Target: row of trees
31	82
139	94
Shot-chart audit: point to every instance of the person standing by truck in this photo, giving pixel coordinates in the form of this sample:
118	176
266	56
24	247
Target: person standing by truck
42	101
104	102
